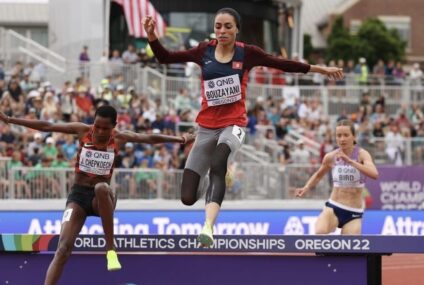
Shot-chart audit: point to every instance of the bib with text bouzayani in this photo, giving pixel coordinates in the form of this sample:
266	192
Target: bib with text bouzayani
95	161
222	90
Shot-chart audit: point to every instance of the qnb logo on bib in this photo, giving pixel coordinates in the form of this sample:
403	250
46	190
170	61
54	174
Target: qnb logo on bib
223	90
96	162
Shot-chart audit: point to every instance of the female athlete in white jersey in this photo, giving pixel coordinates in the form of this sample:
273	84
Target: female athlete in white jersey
349	165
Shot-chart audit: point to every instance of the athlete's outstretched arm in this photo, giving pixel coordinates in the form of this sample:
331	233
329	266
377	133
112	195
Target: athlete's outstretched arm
333	73
161	53
255	56
129	136
44	126
149	25
316	177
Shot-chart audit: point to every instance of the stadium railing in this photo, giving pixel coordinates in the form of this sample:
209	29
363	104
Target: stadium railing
245	180
251	175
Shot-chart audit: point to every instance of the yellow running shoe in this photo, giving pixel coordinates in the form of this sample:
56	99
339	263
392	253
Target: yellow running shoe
112	261
205	237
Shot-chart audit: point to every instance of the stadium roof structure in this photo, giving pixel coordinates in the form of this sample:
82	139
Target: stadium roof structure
315	13
20	13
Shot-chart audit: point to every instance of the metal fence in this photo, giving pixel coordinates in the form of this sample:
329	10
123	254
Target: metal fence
251	175
246	180
406	151
410	151
334	99
342	99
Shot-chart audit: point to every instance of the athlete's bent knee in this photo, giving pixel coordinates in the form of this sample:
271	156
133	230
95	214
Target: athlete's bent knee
189	187
101	189
188	201
218	170
63	251
219	160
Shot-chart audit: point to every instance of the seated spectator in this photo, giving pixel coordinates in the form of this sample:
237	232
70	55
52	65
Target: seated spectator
398	74
67	104
378	130
21	188
301	155
182	101
130	55
379	72
83	101
6	104
129	160
416	76
162	158
70	147
60	161
7	137
49	150
394	145
284	156
50	107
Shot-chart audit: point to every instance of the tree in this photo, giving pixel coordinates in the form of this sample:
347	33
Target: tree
307	46
382	43
340	42
338	30
373	41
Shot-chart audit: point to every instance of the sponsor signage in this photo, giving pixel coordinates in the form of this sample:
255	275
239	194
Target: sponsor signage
235	222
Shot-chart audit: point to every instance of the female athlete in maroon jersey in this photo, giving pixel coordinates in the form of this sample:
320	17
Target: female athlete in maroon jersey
225	65
91	194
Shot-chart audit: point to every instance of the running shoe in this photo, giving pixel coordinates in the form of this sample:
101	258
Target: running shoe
205	237
112	261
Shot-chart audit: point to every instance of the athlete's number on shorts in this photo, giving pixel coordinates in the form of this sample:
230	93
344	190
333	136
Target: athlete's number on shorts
240	132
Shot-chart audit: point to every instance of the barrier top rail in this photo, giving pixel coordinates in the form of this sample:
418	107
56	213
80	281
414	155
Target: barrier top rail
270	244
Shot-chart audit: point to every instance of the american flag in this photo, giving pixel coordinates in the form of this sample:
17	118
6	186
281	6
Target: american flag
135	10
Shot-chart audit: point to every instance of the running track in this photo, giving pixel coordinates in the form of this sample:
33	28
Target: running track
403	269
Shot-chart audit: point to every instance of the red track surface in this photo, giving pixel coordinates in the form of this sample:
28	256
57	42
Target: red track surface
403	269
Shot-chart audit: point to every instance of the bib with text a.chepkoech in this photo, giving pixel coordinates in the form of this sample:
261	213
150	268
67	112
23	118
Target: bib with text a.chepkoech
96	162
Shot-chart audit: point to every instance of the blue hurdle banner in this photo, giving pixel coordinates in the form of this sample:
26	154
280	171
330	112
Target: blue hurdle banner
190	269
235	244
230	222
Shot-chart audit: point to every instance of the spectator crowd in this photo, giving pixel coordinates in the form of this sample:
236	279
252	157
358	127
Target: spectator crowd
76	101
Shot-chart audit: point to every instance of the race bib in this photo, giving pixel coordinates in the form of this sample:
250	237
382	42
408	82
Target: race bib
223	90
95	161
